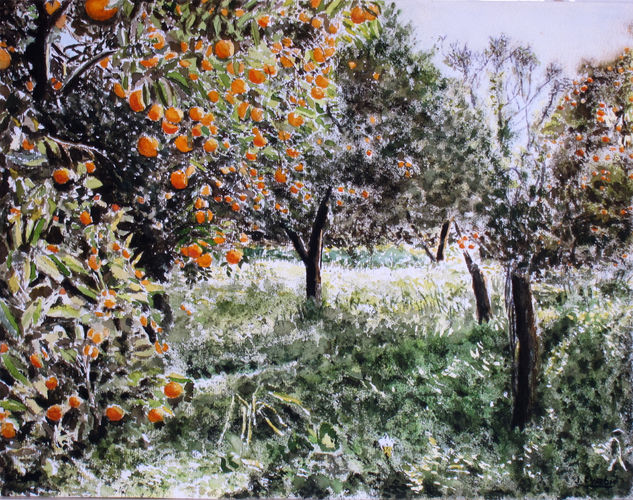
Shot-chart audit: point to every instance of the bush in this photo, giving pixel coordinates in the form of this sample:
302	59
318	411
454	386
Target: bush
78	327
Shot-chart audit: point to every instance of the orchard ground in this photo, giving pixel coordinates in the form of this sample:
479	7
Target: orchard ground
390	389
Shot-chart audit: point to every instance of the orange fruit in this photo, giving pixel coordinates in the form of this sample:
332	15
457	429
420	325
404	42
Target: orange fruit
149	63
93	263
155	415
224	49
54	413
74	402
259	140
196	114
264	21
7	430
173	115
200	218
61	175
233	256
295	120
172	390
194	251
255	76
90	167
242	109
169	128
182	144
280	177
114	413
357	15
322	82
257	114
204	260
155	113
148	146
238	86
179	179
3	347
119	90
210	145
51	383
51	7
96	10
317	93
5	59
85	218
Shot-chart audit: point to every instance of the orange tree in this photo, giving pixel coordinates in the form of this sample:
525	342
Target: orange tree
588	167
561	192
425	153
242	111
123	126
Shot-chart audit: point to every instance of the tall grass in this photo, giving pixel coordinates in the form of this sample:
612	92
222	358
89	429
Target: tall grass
389	389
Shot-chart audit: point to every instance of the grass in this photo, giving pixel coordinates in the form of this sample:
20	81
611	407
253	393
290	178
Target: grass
390	389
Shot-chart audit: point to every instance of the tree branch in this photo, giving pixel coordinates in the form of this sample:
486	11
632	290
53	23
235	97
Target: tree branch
74	78
296	242
319	223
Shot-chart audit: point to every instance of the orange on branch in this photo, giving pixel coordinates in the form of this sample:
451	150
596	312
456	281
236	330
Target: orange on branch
169	128
173	115
61	175
114	413
238	86
155	113
148	146
182	144
7	430
224	49
204	260
257	77
74	402
98	11
136	101
54	413
233	256
179	179
155	415
173	390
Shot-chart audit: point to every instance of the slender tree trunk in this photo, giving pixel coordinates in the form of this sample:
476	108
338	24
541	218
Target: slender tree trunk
524	344
311	256
480	288
443	239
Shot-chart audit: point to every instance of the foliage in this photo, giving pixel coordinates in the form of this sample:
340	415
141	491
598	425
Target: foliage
400	381
77	319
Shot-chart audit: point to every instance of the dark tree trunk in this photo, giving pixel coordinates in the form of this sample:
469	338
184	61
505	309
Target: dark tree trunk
484	310
311	257
524	344
443	239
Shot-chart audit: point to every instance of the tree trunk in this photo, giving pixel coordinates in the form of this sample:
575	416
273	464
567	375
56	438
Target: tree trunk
443	239
313	281
311	257
484	310
524	344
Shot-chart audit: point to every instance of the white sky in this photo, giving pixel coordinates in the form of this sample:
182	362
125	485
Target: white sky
562	31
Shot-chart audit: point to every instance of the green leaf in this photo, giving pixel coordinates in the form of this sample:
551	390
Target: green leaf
216	25
179	79
332	7
88	292
120	273
64	311
7	319
10	365
74	264
12	405
164	92
62	268
32	314
255	32
92	183
69	355
45	265
37	231
181	379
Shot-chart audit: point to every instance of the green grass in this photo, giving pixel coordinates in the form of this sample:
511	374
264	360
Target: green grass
393	356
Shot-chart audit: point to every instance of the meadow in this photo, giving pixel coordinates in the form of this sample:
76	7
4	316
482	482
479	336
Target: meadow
390	389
